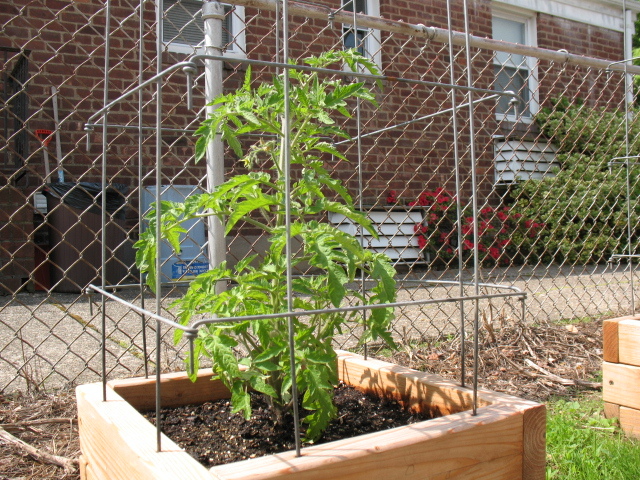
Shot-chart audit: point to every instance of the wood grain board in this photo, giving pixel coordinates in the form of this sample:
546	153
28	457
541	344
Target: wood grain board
505	440
630	421
621	372
621	384
629	342
610	340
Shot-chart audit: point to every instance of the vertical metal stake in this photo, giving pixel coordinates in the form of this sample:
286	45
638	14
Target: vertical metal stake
103	236
289	248
456	155
474	201
158	147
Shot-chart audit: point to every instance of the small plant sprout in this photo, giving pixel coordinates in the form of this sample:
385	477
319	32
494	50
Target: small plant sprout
254	354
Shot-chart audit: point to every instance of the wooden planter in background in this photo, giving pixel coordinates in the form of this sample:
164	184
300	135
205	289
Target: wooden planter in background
621	372
505	440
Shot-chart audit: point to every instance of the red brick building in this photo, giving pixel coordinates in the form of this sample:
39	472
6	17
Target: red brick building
62	44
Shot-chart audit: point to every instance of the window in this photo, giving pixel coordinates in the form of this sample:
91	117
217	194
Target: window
367	41
183	29
512	71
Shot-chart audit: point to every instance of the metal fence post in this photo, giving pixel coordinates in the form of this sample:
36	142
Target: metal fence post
213	14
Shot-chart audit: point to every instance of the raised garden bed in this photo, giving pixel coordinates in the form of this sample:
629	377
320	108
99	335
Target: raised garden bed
505	440
621	372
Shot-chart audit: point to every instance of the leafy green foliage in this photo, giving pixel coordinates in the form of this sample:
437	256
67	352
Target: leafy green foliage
584	206
254	354
584	445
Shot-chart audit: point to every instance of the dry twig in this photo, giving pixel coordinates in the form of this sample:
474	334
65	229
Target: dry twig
32	423
563	381
67	464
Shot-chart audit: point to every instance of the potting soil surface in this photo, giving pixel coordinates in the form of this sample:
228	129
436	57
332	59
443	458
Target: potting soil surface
214	436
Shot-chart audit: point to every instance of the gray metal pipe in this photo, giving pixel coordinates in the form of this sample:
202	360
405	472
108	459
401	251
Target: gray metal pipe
213	14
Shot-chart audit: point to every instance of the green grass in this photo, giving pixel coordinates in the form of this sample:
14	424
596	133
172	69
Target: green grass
583	445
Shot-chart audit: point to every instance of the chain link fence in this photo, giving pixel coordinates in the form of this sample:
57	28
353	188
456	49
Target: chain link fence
555	172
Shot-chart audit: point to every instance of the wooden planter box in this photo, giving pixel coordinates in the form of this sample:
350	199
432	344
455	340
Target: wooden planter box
621	372
505	440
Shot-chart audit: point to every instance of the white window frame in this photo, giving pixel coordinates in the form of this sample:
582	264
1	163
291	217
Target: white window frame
529	20
237	48
373	40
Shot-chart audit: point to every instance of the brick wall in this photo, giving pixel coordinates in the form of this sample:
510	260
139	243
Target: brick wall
65	46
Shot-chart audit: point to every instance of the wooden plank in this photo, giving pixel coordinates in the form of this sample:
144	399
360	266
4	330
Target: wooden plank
610	340
621	384
629	342
119	443
534	451
505	467
91	475
82	467
630	421
177	389
611	410
459	443
417	391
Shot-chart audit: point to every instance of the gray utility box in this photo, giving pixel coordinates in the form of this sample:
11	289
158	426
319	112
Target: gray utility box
74	217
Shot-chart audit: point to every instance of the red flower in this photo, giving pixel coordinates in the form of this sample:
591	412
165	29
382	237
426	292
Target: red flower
422	242
419	228
486	211
494	252
392	197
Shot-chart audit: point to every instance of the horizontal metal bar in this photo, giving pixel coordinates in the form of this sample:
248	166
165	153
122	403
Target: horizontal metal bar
135	127
129	286
191	64
441	35
177	66
630	157
420	119
364	75
273	316
623	255
159	318
624	61
192	330
469	284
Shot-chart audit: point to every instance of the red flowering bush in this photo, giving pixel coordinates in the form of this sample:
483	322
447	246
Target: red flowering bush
504	235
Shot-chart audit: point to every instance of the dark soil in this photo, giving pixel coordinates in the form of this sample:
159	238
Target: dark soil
213	436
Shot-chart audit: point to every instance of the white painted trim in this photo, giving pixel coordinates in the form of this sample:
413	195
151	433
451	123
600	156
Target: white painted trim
373	39
529	19
239	47
599	13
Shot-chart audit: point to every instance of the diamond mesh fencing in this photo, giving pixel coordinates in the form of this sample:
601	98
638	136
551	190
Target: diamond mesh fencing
555	174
